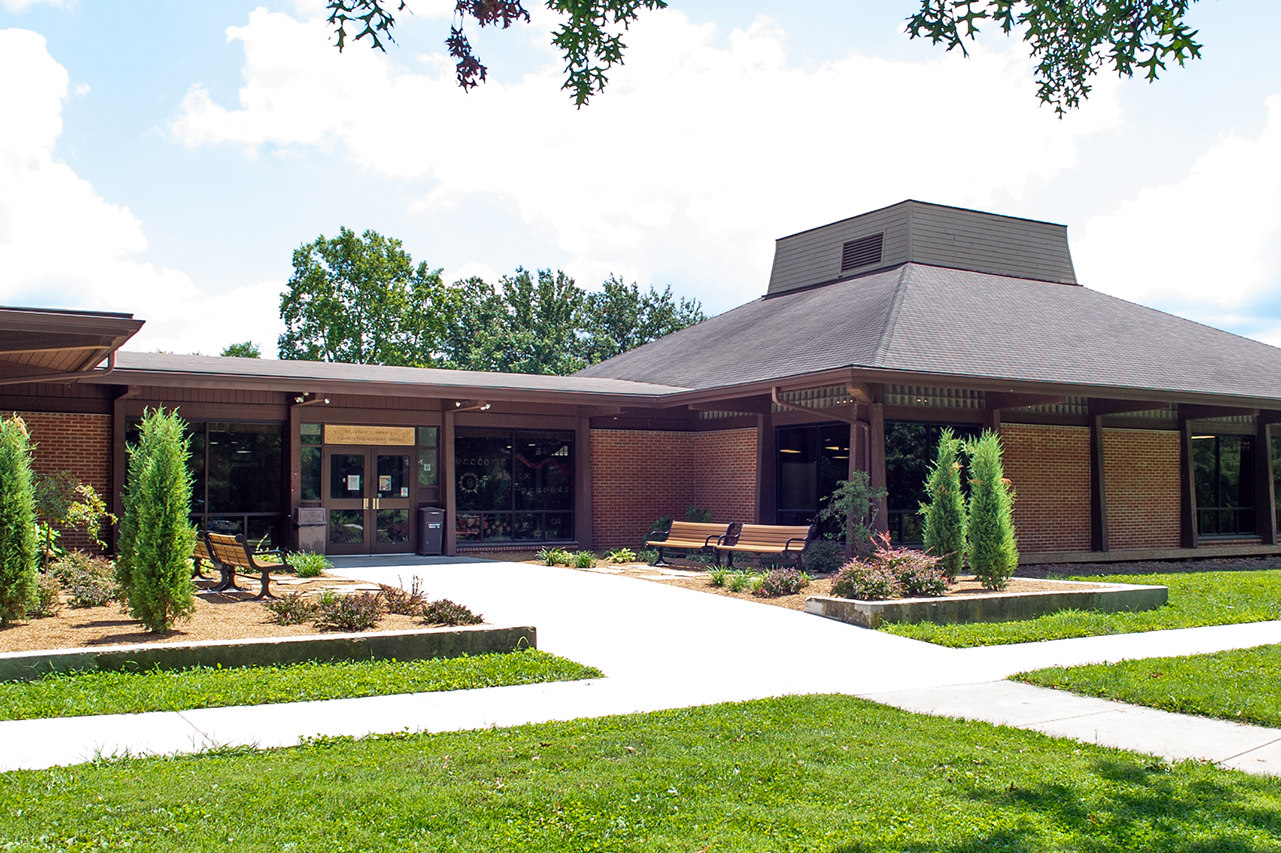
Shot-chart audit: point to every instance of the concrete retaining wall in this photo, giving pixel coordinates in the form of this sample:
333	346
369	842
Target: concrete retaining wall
383	645
989	607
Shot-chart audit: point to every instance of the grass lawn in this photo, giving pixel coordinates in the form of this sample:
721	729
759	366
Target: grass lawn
83	694
819	773
1242	685
1196	598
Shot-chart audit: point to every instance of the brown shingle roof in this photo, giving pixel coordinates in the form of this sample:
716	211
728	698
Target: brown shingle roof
935	320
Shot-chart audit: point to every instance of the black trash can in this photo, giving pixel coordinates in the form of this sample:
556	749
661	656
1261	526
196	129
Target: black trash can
431	531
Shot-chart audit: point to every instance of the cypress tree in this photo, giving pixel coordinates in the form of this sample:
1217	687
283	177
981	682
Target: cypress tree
945	513
18	549
153	565
993	550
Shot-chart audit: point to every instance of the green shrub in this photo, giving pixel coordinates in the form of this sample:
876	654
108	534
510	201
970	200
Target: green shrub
716	575
621	555
659	527
48	600
890	572
88	581
308	564
699	514
63	502
992	550
852	505
740	580
824	556
358	611
584	560
18	583
404	602
156	537
291	609
446	612
944	514
647	555
781	582
556	557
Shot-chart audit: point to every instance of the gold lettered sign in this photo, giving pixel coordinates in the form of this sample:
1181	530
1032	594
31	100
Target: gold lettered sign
386	436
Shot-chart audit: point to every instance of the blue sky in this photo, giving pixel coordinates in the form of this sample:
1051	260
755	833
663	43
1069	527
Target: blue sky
166	162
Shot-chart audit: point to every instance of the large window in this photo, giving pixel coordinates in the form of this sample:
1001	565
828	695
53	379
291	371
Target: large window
514	485
910	448
811	461
1224	484
237	478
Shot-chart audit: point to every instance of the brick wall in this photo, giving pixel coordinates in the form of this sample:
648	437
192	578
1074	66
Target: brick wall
77	443
725	473
641	475
1050	469
1143	490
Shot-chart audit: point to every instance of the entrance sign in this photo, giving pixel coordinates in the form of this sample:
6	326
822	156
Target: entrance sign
379	435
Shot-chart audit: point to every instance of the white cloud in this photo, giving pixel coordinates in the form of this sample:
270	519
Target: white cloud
1203	245
694	159
64	245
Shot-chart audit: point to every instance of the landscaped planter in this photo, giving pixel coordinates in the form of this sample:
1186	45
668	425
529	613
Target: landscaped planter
273	651
991	607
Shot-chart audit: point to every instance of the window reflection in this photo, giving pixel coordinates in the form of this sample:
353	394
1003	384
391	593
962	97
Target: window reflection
514	484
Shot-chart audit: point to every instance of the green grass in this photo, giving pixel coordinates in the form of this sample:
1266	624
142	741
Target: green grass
1242	685
1196	599
812	773
82	694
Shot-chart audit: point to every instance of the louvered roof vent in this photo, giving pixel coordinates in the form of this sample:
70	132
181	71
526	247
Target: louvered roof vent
863	252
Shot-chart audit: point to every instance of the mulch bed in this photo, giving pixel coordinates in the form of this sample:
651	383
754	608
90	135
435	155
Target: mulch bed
218	616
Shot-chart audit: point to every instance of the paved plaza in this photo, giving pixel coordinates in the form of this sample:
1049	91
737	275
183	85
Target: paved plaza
664	647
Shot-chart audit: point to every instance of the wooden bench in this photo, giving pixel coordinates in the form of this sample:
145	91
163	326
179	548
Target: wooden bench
200	556
690	536
766	539
233	552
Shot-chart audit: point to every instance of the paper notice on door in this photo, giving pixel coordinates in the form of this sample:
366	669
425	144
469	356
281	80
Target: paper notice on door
353	482
384	482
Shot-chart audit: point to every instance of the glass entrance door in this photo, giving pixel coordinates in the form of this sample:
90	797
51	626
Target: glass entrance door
367	500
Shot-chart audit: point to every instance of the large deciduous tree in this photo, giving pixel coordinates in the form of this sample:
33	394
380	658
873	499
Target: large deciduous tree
359	300
1071	40
362	300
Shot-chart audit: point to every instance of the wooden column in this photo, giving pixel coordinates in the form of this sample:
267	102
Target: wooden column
293	473
766	470
1187	477
447	491
1265	506
583	483
1098	488
876	456
119	457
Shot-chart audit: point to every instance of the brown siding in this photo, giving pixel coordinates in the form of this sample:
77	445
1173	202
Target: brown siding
77	443
640	475
1050	469
1142	471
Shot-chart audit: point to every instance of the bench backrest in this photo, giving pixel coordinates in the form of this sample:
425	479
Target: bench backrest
696	531
229	550
772	535
201	551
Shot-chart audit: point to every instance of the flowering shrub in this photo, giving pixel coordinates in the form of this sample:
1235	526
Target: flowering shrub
446	612
891	572
824	556
353	612
89	581
782	582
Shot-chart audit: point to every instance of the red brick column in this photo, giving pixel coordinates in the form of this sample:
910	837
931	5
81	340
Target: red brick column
1143	489
725	467
1050	469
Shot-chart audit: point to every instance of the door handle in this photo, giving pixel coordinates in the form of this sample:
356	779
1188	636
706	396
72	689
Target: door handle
366	504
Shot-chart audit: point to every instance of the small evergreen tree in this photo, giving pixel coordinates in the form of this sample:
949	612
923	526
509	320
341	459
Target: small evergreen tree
18	580
944	514
156	537
993	550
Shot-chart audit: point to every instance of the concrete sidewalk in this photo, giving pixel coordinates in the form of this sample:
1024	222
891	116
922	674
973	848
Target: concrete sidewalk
664	647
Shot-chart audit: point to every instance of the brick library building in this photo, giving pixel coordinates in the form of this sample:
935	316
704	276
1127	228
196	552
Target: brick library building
1128	433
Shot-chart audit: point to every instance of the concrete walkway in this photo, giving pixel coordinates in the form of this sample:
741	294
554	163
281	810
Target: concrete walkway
664	647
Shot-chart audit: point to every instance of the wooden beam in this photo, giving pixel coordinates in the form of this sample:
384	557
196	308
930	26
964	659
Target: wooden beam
1187	483
847	413
1007	400
876	455
860	391
1201	413
583	483
766	471
448	493
1099	406
1265	506
757	405
1098	488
